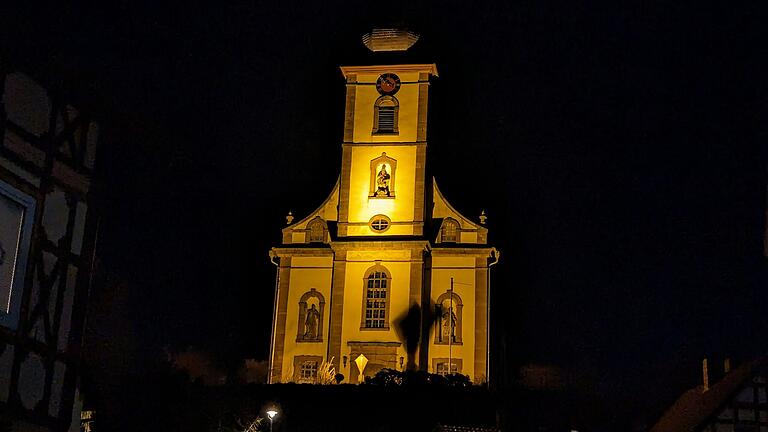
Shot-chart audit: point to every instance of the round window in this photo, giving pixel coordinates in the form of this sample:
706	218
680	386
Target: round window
379	223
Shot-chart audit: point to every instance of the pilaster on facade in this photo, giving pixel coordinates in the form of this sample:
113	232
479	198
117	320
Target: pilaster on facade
337	307
281	316
481	318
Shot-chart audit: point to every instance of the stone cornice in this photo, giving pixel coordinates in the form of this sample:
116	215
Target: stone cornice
384	143
390	344
299	251
419	245
380	244
429	68
484	252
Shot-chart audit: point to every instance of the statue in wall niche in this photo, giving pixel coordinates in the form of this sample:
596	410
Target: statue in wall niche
311	323
448	325
382	181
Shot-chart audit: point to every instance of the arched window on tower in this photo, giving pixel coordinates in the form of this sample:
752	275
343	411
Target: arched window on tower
385	115
376	286
316	229
449	233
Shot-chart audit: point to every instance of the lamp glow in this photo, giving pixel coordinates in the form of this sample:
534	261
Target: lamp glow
271	413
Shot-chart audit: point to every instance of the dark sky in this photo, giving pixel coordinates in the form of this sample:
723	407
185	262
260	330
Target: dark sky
619	150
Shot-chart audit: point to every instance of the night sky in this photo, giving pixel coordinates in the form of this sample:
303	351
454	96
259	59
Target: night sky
619	152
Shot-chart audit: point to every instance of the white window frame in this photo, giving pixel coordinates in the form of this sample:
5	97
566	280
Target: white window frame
367	323
310	366
10	318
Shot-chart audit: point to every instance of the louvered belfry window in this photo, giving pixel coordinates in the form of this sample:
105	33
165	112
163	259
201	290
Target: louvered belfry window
386	119
385	115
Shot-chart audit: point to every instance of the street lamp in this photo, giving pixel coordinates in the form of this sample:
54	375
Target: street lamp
271	413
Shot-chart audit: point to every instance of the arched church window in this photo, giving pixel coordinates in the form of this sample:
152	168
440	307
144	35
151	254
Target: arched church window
449	233
316	230
385	115
311	310
376	286
448	310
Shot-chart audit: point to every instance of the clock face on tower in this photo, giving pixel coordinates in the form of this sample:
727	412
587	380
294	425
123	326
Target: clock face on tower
388	84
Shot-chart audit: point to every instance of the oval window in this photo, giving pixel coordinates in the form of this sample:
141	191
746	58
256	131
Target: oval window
379	223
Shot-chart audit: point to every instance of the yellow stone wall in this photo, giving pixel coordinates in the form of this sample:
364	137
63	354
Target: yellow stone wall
366	95
399	209
469	237
462	269
358	263
306	273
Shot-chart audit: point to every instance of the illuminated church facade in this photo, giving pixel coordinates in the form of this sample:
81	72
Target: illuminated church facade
385	273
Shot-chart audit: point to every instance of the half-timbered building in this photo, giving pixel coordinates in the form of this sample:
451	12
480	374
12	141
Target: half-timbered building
47	236
736	403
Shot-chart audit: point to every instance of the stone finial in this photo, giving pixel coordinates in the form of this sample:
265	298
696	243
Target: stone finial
483	217
289	218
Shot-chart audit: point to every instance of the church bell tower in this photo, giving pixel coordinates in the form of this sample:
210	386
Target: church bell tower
385	273
384	150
